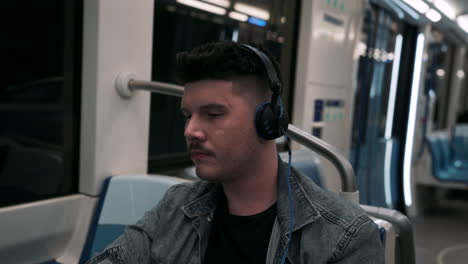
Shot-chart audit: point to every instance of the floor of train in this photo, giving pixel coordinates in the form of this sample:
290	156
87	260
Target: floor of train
441	234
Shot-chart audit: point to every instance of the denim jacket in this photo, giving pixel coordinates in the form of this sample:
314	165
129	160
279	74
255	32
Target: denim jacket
327	228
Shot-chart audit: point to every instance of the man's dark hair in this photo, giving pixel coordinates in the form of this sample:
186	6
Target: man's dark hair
224	60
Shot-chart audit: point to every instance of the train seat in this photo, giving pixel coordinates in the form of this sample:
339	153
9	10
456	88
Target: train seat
460	152
136	194
444	166
460	145
124	199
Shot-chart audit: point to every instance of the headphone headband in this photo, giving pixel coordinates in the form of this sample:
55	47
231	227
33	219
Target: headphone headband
275	84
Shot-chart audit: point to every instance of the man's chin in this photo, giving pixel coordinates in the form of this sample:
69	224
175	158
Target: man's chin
207	174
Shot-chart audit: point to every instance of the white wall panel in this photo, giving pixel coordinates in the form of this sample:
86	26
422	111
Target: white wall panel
117	38
325	67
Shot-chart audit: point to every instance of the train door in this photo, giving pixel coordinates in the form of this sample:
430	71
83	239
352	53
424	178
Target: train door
376	141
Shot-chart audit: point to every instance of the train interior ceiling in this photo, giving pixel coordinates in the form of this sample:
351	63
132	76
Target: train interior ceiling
383	81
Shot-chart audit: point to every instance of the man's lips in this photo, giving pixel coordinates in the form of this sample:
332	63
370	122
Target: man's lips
197	154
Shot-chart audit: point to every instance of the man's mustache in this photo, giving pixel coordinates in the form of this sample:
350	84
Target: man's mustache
197	147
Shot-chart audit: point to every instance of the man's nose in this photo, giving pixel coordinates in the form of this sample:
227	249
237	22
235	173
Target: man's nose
193	129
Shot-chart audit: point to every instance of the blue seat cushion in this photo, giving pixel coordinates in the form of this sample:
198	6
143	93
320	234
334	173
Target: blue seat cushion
105	234
444	168
123	201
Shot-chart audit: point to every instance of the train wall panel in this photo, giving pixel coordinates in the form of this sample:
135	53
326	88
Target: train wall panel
324	99
117	38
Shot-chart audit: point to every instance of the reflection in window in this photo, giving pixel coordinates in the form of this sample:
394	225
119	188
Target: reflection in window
180	25
39	101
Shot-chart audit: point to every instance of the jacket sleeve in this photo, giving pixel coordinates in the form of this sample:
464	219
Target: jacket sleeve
134	245
362	246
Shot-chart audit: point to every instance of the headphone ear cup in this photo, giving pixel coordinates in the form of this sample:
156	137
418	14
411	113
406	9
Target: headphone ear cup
266	123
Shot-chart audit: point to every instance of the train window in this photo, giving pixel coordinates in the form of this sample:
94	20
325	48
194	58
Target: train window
462	116
39	101
178	26
438	68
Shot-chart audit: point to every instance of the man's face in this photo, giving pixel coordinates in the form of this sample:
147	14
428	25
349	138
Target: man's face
219	130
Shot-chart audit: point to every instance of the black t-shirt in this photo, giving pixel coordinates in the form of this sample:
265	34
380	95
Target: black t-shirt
240	239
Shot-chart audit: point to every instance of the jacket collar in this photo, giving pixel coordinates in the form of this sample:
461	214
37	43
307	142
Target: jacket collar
304	210
206	203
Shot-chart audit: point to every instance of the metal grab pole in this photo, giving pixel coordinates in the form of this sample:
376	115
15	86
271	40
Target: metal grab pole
348	180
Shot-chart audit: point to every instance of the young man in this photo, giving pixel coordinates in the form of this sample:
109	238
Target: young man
239	212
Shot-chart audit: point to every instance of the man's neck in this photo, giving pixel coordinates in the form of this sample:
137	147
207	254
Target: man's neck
256	190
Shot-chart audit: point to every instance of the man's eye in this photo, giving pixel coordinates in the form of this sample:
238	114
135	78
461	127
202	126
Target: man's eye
215	114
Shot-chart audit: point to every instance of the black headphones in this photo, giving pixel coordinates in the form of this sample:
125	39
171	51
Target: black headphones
271	120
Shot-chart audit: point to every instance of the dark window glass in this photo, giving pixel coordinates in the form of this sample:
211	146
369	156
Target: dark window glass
39	100
462	115
179	27
438	69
